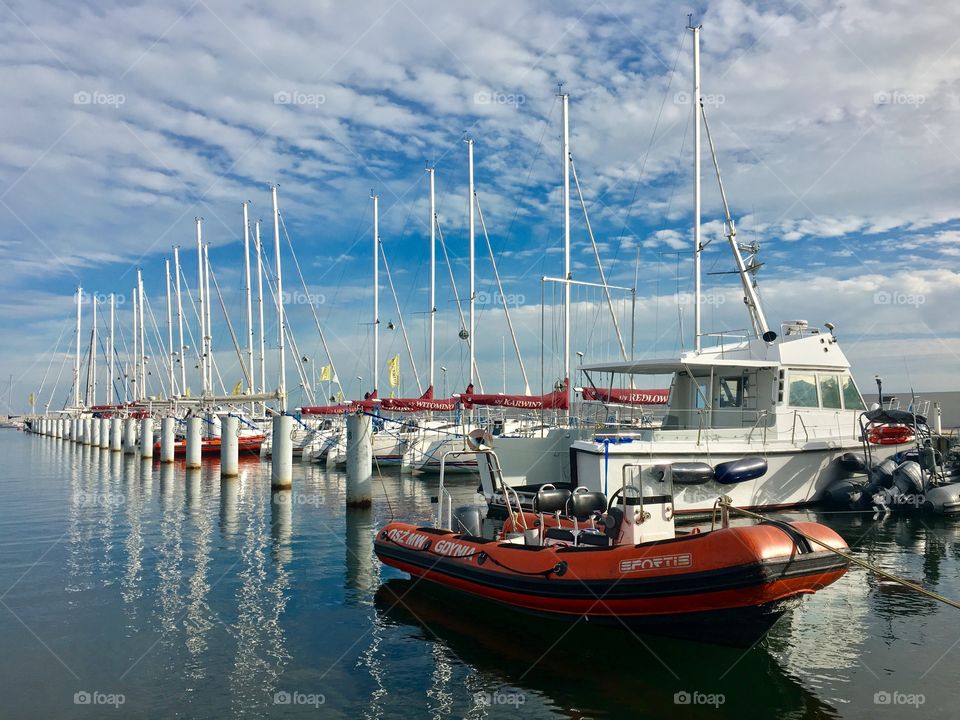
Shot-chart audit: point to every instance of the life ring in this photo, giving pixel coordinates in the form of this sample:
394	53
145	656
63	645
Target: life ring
890	435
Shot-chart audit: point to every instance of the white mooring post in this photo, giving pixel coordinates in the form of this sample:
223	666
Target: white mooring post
146	437
281	453
130	436
75	432
229	447
95	432
359	461
168	427
105	433
194	441
85	430
116	434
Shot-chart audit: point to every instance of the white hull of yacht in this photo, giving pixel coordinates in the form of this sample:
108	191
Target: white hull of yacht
434	452
794	477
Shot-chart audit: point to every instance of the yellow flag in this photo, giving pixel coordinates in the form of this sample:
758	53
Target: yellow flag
339	396
187	393
325	373
238	388
31	400
393	369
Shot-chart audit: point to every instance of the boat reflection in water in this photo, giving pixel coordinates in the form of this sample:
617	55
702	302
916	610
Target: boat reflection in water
589	671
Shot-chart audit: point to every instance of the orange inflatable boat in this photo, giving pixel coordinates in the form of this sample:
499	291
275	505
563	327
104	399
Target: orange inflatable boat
622	561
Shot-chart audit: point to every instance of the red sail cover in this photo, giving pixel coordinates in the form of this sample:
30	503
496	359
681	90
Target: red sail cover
556	400
424	403
627	397
343	409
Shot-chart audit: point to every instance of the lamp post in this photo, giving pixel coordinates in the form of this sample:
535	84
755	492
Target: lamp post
444	371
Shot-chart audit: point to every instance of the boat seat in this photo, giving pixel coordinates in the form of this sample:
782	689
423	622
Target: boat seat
582	505
592	537
555	535
550	500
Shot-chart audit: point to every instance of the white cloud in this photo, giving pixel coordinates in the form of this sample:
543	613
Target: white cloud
831	122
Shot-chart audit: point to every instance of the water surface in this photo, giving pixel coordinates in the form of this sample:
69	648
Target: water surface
129	589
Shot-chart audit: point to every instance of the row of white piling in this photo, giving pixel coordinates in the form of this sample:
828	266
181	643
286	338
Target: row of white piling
124	435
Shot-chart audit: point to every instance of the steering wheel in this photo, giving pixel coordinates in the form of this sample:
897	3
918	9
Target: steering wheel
618	494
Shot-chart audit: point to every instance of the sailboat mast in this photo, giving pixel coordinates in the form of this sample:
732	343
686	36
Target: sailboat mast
473	289
566	250
170	355
376	293
181	350
433	275
135	390
697	246
281	319
209	306
93	353
110	351
263	342
200	303
142	358
248	290
76	359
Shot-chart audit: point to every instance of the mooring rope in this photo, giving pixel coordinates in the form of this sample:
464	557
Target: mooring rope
850	558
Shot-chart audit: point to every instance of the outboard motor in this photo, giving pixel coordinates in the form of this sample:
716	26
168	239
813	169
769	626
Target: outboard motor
929	457
908	478
468	519
882	473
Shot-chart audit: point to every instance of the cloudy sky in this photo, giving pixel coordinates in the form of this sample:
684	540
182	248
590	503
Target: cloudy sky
835	127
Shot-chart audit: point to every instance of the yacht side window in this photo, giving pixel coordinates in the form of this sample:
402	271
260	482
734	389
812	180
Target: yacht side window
731	392
803	390
830	391
851	396
703	392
